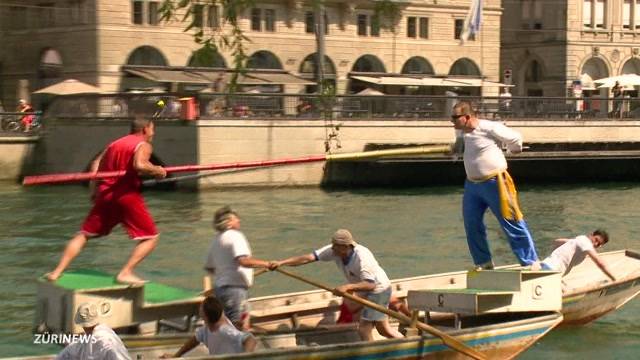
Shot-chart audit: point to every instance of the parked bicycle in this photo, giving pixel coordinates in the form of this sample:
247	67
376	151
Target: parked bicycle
15	122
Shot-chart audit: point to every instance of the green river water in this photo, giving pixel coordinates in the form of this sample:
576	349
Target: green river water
411	232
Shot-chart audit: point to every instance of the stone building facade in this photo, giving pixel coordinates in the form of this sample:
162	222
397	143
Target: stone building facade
90	40
548	45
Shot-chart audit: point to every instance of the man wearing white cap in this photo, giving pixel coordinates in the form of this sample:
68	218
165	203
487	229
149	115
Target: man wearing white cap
364	275
103	344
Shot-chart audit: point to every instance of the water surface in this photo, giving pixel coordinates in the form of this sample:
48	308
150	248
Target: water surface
411	232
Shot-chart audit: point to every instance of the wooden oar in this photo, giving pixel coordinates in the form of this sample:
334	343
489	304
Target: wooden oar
86	176
446	339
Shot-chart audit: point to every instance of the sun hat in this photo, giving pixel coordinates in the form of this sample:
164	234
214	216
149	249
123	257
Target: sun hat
343	237
87	315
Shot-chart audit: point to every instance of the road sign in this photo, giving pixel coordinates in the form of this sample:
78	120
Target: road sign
507	77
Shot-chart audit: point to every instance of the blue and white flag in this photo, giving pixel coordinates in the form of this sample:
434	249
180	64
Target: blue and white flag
472	21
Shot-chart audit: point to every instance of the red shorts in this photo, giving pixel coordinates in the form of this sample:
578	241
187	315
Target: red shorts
128	210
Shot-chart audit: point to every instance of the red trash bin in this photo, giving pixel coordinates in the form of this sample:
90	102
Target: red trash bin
189	109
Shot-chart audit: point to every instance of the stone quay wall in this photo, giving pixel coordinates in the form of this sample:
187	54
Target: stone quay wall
69	145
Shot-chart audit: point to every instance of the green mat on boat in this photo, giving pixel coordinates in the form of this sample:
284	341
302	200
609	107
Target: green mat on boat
91	279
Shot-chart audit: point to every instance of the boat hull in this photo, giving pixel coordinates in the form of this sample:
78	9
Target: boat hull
497	341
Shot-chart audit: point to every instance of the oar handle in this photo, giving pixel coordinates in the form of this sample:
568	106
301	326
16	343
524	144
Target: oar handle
86	176
447	339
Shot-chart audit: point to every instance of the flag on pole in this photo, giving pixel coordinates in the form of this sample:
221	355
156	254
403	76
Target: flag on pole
472	21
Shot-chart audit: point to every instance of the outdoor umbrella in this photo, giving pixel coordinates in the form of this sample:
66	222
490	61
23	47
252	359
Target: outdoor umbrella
625	80
69	87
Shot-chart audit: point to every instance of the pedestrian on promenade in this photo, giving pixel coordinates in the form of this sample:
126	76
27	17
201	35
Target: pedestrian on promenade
218	333
27	119
617	91
489	185
571	252
230	260
118	200
364	275
101	344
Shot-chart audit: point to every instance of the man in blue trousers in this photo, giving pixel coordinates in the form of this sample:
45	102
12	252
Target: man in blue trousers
488	185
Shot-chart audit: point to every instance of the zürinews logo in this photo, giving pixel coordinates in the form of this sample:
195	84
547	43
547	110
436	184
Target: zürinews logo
63	339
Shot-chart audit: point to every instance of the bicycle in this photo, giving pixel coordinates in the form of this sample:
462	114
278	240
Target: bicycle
14	123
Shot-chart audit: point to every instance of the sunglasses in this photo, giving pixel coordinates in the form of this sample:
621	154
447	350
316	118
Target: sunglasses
455	118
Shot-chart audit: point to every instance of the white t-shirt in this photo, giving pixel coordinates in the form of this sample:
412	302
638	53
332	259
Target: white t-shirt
361	266
226	340
223	255
483	148
105	345
569	254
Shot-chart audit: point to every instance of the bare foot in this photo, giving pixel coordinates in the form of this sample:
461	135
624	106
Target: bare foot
130	279
52	276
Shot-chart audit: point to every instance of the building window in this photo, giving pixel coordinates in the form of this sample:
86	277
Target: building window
326	23
600	13
362	25
631	14
198	16
137	14
153	13
46	15
213	17
18	18
256	19
594	13
78	11
411	27
375	26
424	28
269	20
457	31
309	22
626	14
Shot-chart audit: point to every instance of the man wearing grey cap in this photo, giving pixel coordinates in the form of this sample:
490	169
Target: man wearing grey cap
102	343
364	275
230	259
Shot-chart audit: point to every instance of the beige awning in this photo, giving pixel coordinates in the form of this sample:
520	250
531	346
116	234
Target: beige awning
390	80
173	76
425	81
255	78
477	83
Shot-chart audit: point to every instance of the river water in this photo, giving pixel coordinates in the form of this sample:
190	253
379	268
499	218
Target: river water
411	232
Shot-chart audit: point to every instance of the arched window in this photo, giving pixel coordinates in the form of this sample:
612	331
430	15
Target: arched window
309	65
147	55
368	63
50	64
534	72
631	67
201	59
417	65
264	60
464	66
595	68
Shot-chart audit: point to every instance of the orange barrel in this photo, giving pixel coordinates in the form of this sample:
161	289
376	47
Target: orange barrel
189	108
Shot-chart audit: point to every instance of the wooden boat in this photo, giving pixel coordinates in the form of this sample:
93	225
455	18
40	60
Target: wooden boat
497	336
587	294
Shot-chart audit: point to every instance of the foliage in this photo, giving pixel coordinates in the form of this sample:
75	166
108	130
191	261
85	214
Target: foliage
228	36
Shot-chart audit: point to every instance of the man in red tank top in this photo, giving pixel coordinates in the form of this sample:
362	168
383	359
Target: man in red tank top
118	200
